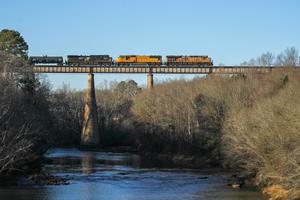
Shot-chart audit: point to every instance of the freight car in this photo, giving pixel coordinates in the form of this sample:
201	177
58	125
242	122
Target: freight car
45	60
89	60
188	60
131	59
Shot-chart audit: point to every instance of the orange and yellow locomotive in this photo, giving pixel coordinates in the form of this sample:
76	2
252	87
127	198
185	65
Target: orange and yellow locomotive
189	60
128	59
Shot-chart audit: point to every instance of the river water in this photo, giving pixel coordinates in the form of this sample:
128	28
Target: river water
125	176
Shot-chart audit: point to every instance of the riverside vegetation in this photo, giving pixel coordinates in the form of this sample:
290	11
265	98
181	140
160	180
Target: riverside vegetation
249	124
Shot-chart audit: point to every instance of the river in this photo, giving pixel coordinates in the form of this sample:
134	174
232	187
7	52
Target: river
125	176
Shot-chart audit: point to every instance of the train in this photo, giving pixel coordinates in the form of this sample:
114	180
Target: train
106	60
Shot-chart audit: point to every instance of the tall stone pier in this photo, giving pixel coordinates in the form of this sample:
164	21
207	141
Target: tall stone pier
90	131
150	81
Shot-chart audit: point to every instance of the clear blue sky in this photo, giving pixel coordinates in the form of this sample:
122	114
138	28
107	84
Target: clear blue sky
230	31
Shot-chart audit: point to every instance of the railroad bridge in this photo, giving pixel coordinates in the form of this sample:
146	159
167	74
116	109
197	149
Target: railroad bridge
90	132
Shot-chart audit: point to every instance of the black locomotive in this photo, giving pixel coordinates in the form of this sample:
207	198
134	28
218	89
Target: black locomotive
89	60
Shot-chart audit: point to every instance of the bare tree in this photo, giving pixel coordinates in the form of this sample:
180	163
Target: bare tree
23	113
266	59
252	62
290	57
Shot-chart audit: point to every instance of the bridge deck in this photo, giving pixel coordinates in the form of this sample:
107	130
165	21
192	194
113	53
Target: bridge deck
159	69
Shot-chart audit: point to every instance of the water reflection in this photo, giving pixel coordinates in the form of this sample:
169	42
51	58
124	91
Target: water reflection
113	176
87	164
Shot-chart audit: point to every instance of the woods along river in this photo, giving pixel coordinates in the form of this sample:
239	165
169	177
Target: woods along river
125	176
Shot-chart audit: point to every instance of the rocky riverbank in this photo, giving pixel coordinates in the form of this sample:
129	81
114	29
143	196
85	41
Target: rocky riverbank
38	178
46	179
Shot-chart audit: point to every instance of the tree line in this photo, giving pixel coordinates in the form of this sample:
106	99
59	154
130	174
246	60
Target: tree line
289	57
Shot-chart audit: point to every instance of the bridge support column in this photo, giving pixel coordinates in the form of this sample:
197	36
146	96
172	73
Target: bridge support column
149	81
90	131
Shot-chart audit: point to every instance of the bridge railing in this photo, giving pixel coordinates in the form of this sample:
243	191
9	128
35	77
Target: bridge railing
160	69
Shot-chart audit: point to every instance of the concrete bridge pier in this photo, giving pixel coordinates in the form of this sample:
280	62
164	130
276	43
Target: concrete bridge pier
90	131
150	81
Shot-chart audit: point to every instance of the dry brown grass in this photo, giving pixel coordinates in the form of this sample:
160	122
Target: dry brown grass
276	192
256	118
264	138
